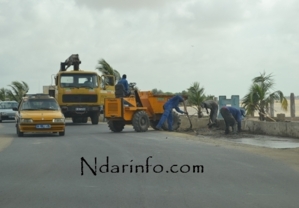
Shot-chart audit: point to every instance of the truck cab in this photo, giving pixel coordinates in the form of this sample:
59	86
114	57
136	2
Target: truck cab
81	93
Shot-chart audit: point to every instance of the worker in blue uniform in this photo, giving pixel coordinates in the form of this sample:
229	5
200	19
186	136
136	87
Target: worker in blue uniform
124	82
232	116
172	103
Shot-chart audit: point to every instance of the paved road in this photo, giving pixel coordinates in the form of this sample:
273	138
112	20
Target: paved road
45	171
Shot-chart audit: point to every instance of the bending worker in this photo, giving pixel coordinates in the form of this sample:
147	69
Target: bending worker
172	103
231	116
213	106
124	82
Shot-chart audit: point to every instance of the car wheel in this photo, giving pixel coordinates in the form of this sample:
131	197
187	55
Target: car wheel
61	133
19	133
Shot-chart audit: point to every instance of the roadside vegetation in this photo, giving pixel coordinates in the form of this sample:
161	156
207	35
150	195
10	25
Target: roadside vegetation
105	69
16	90
261	95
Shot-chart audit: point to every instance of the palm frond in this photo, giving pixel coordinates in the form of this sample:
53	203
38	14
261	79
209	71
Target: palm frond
18	90
196	96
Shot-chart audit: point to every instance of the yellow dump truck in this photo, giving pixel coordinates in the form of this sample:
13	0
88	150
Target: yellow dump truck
141	109
81	93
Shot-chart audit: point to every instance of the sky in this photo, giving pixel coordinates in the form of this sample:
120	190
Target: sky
163	44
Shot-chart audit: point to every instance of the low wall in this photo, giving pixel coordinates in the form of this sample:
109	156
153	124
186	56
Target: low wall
285	129
196	122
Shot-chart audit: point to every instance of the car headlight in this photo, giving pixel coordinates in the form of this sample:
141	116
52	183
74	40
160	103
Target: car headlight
58	120
26	120
4	113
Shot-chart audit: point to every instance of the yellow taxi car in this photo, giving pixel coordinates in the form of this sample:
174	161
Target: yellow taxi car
39	113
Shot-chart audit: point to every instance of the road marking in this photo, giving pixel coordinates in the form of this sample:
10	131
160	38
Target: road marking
38	142
5	142
1	126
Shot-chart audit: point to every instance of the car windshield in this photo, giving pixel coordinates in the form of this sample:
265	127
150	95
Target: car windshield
40	104
79	80
8	105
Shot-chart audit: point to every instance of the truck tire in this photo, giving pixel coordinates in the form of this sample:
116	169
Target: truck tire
140	121
84	119
116	126
176	122
95	118
75	120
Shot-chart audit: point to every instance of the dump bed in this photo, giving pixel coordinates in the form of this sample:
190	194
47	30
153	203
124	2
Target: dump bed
154	103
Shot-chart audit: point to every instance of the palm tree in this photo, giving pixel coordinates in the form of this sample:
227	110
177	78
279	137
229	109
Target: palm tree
210	97
3	94
195	97
18	90
106	69
260	96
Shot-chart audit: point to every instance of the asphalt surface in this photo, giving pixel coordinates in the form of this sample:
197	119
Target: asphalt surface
45	171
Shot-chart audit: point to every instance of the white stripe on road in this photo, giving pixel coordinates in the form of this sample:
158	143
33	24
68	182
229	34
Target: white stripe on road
5	142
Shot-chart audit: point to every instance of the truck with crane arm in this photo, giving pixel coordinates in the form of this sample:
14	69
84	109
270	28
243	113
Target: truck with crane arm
81	93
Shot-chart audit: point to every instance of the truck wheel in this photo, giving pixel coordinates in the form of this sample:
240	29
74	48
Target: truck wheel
140	121
84	120
95	119
153	124
19	133
176	122
116	126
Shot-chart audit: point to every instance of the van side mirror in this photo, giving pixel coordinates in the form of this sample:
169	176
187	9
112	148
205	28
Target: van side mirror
15	109
56	80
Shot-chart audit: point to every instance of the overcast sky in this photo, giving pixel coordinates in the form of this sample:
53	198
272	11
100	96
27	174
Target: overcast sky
164	44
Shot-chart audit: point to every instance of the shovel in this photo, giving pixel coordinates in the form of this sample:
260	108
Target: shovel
188	116
268	117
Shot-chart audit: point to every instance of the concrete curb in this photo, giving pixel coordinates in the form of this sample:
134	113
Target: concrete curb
283	128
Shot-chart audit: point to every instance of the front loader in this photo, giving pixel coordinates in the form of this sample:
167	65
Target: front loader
141	109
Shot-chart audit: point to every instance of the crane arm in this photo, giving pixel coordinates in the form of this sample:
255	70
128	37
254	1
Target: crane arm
72	60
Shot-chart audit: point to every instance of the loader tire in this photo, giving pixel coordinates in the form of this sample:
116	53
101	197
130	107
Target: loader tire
140	121
116	126
153	124
176	122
